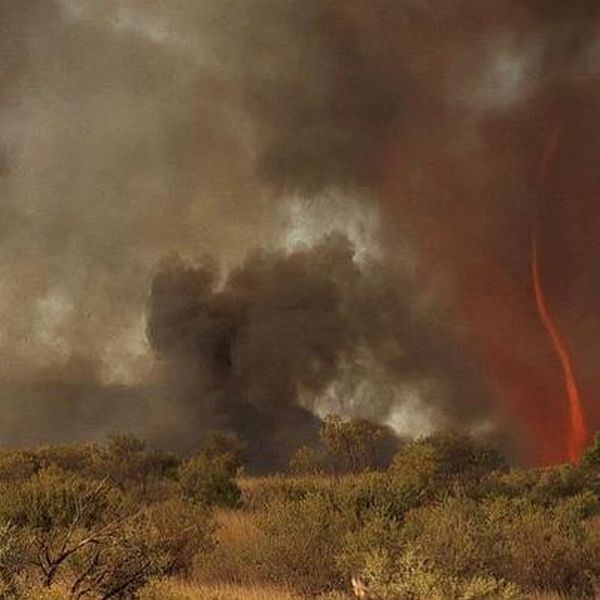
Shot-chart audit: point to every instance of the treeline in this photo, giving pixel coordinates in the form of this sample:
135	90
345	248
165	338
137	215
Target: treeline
441	518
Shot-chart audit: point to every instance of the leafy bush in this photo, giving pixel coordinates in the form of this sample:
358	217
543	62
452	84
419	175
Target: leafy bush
546	487
513	483
162	539
178	532
510	540
412	577
17	466
88	535
381	492
209	481
129	464
307	461
227	446
590	461
52	500
356	444
298	541
257	493
377	534
125	461
435	463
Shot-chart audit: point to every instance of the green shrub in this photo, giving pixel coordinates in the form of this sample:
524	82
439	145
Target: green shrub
258	493
298	542
443	461
354	445
558	483
54	516
446	520
209	481
90	536
17	466
227	446
456	537
546	487
75	458
511	540
51	500
178	532
161	540
307	461
590	461
514	483
549	548
412	577
129	464
377	534
374	491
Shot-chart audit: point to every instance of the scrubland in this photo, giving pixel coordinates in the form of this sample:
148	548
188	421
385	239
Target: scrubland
441	518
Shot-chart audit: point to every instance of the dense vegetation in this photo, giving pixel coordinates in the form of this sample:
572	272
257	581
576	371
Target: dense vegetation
439	518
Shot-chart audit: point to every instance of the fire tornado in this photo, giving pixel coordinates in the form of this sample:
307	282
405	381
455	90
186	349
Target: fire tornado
577	432
577	429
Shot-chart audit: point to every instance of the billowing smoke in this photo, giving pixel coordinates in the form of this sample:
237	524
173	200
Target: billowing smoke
252	131
257	351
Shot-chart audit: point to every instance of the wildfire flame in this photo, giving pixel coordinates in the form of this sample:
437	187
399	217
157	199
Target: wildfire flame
577	434
577	430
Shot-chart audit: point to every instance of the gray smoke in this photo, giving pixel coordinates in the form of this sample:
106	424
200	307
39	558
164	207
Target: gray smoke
254	353
139	129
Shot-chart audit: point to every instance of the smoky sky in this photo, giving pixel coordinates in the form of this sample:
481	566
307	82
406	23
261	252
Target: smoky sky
284	326
222	130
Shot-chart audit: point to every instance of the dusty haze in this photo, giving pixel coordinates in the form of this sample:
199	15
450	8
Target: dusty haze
244	213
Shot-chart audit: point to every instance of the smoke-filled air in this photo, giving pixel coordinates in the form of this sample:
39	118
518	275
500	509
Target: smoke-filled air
244	215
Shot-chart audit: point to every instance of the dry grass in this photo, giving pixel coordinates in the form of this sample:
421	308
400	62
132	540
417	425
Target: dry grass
231	561
234	526
557	596
258	491
178	590
251	484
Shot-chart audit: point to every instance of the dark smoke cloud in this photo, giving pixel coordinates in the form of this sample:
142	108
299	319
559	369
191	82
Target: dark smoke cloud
254	353
141	128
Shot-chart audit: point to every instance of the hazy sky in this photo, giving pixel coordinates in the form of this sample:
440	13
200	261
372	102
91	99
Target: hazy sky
231	132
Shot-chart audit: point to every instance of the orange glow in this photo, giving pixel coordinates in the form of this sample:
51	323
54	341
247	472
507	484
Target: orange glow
577	429
577	434
499	318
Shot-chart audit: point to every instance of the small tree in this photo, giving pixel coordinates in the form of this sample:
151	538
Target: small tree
445	458
55	516
129	463
92	538
17	465
357	444
306	461
209	481
591	457
227	446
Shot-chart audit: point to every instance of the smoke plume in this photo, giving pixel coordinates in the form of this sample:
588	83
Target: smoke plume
352	187
255	353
